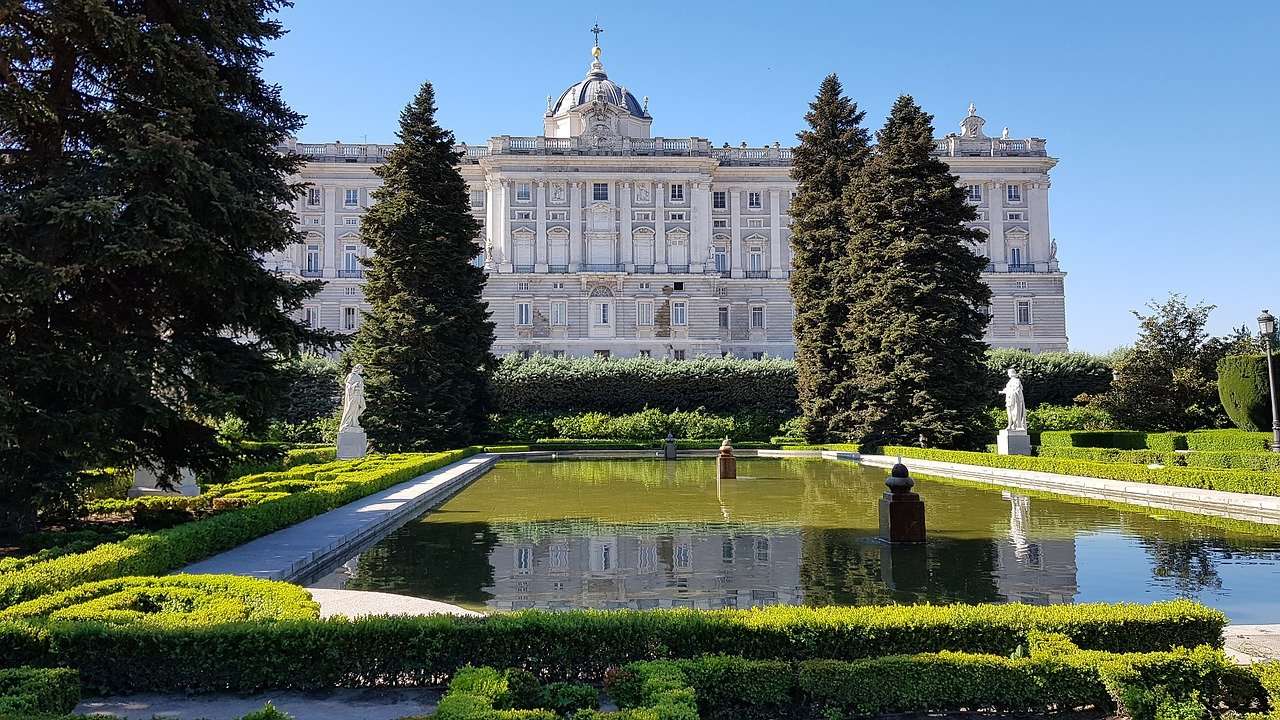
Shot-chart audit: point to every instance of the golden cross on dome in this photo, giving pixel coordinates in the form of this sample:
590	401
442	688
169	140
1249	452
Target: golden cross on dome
596	30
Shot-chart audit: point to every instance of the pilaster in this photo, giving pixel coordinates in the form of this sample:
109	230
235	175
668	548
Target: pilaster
1038	207
330	267
503	212
660	227
775	234
995	224
624	204
540	247
699	226
735	233
575	226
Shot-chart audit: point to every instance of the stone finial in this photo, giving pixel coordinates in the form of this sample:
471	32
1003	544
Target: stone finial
973	109
899	480
645	109
1004	134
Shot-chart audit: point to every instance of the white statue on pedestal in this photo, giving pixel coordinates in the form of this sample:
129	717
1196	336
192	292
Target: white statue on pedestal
352	400
1015	403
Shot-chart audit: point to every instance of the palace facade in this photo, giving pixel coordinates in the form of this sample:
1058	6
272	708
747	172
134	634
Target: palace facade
600	238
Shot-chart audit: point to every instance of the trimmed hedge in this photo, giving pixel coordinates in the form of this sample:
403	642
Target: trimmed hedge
1220	440
422	650
645	426
1244	388
280	500
1055	378
482	693
574	444
571	385
1239	481
1266	462
1213	440
30	693
170	600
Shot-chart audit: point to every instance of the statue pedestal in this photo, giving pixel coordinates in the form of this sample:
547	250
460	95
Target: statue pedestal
146	484
1013	442
352	444
901	517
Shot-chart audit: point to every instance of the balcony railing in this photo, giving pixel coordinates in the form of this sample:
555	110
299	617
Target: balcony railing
1017	268
1024	267
351	273
524	268
601	267
726	273
756	274
557	268
644	269
312	273
678	269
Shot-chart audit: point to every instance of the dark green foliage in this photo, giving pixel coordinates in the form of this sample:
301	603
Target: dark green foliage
268	712
655	424
915	298
1057	417
425	343
1052	378
543	384
1245	391
312	389
140	187
1166	381
830	152
29	693
410	651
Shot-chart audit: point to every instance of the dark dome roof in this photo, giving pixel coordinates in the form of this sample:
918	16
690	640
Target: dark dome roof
597	83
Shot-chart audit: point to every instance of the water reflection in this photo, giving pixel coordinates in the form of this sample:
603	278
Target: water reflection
641	534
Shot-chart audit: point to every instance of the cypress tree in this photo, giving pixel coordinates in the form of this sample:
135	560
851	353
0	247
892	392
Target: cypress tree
833	148
139	186
425	343
914	327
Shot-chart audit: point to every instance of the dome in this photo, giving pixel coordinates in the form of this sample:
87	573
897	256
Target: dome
597	84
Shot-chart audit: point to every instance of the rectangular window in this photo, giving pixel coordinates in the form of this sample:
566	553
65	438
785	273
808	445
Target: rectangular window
1015	256
645	286
757	316
645	353
351	197
523	192
762	550
1015	216
755	222
600	191
677	354
524	214
719	200
351	221
350	258
676	216
557	215
718	223
524	314
757	356
644	216
756	261
315	220
679	313
559	314
522	286
313	196
602	313
1024	312
524	560
349	318
722	259
557	353
477	198
754	200
1013	193
644	313
351	291
1019	284
602	355
677	192
974	192
724	318
313	258
310	317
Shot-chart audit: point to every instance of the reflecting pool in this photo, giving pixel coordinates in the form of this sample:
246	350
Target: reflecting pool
648	533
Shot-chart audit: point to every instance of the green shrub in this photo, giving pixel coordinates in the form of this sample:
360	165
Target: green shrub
168	600
272	501
566	698
1220	440
1112	455
1166	685
268	712
1118	439
1268	462
652	425
28	692
1244	390
1057	417
1055	378
310	456
308	654
1239	481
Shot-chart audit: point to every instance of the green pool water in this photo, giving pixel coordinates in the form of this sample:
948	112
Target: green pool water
648	533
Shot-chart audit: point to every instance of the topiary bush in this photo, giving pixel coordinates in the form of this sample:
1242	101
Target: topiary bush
30	693
1244	389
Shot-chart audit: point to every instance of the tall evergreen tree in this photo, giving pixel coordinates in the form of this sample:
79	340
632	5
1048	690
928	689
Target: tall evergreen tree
426	341
139	185
829	154
915	321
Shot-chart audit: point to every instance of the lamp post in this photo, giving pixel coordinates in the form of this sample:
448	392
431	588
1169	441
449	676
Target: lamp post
1267	326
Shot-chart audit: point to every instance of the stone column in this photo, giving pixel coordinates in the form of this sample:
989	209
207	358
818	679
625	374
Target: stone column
660	227
503	229
735	230
575	226
540	248
624	203
775	234
995	223
1038	209
492	245
700	226
330	266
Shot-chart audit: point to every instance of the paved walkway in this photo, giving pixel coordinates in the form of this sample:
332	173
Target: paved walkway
356	603
342	704
290	553
1237	506
1253	643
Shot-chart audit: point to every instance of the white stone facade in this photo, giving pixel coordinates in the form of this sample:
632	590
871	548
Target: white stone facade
600	239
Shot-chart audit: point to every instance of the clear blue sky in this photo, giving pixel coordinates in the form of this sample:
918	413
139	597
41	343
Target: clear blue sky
1165	115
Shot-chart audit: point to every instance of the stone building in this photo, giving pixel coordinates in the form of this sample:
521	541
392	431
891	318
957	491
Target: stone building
600	238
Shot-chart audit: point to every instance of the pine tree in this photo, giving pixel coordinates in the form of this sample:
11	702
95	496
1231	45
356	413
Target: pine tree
915	322
425	343
139	186
830	152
